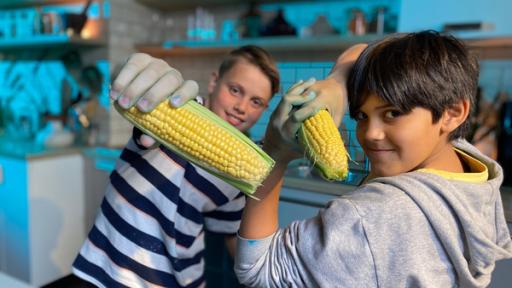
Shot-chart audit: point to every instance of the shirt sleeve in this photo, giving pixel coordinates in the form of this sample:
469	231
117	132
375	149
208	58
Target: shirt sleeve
329	250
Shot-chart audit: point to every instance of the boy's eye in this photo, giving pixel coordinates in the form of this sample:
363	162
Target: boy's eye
360	116
234	90
257	103
391	114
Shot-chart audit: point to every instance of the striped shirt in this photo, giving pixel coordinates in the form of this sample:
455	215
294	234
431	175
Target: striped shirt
149	231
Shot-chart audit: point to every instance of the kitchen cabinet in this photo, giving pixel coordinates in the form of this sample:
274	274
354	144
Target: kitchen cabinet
41	216
7	281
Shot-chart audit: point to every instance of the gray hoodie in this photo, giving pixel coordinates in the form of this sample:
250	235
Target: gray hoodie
413	230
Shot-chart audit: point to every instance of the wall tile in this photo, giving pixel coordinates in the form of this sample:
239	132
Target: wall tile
306	73
287	74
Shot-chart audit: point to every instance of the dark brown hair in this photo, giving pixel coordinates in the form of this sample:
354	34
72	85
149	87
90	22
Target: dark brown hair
256	56
424	69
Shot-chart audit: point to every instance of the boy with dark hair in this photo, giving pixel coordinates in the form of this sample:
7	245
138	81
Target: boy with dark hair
151	225
429	213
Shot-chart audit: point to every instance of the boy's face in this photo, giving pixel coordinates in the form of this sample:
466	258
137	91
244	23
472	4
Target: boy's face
241	95
396	143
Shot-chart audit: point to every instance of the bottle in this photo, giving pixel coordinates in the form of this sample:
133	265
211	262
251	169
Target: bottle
378	21
251	22
357	25
37	21
279	26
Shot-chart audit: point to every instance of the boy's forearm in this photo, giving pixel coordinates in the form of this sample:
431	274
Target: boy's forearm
260	217
344	62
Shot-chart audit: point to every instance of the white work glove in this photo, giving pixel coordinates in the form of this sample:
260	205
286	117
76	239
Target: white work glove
280	137
145	81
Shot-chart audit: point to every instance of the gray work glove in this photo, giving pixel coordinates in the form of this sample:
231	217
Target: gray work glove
280	137
145	81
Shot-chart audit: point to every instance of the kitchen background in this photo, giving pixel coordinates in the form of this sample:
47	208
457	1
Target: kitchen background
60	135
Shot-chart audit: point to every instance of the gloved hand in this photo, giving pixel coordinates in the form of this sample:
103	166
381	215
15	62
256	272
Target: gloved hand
330	95
280	137
145	81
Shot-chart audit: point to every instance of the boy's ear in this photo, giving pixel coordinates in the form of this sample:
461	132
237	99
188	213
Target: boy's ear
455	115
214	78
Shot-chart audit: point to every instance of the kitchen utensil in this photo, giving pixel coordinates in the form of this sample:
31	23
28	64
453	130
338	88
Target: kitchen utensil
74	22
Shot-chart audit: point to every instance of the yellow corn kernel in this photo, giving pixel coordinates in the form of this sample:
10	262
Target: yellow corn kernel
200	136
324	147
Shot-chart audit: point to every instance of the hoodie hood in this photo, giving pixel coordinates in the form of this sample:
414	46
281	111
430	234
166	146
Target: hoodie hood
467	217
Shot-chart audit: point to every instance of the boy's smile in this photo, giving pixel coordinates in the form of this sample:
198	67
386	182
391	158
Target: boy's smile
396	142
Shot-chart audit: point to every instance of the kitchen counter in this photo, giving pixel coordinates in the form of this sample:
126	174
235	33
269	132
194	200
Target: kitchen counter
23	149
294	178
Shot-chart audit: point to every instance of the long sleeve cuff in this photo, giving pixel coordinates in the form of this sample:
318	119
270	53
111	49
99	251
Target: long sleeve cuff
250	250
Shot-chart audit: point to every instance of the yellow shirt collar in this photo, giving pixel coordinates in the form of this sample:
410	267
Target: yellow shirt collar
478	174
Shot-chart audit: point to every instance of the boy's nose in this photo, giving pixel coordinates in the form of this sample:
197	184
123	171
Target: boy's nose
241	106
374	131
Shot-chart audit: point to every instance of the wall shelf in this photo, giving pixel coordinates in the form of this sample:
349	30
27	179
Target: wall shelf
4	4
484	48
49	41
272	44
491	48
174	5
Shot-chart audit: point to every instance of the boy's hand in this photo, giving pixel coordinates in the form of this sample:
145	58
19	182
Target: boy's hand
330	95
145	81
280	137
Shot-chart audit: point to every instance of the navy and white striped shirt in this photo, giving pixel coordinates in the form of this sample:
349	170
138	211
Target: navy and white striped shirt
149	231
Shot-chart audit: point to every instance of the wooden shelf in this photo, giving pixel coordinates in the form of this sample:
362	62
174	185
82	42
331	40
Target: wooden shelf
174	5
495	42
491	48
7	4
48	41
485	48
272	44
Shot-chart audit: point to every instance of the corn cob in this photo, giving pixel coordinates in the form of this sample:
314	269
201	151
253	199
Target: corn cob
205	139
324	147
